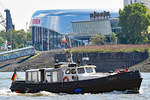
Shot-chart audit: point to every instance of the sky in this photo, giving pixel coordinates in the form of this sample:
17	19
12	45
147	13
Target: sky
22	10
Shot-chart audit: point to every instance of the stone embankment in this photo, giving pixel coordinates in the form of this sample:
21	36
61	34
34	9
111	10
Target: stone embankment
109	61
40	60
104	61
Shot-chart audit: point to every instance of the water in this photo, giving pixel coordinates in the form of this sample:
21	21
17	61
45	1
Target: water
6	94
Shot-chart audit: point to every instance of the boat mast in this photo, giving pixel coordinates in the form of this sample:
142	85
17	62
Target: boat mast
69	51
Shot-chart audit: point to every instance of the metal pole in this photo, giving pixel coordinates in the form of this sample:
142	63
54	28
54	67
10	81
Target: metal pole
26	33
11	39
48	33
34	34
70	49
42	37
48	38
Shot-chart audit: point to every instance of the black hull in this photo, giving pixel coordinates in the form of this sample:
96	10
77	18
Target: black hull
123	81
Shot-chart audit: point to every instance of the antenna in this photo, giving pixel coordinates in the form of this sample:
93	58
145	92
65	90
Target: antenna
69	51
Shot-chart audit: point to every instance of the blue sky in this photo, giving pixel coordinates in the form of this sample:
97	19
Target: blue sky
22	10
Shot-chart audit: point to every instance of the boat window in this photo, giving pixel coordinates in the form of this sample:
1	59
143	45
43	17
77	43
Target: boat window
72	65
67	71
73	71
48	76
29	76
81	70
39	76
60	75
34	76
54	76
89	69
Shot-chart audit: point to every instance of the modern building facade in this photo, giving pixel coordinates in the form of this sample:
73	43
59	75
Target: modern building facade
50	26
145	2
92	27
99	23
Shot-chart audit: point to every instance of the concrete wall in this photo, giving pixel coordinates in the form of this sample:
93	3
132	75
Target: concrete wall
109	61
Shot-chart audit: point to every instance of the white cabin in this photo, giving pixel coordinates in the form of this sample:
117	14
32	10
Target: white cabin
63	72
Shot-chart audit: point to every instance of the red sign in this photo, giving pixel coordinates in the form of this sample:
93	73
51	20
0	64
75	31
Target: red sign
36	21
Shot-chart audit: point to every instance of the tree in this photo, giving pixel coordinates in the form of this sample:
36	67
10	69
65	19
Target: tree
113	38
16	38
98	39
29	36
1	41
134	21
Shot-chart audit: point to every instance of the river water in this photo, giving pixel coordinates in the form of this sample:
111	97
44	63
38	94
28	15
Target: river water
6	94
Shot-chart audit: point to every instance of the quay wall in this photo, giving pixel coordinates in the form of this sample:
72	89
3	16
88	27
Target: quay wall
108	61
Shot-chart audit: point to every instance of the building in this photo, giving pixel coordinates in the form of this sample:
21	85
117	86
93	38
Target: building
145	2
115	25
50	26
92	27
9	24
99	23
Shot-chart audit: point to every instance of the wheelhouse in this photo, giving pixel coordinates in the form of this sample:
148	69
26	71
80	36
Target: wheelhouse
61	73
44	75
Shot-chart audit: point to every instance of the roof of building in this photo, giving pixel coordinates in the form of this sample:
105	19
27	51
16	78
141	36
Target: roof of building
60	20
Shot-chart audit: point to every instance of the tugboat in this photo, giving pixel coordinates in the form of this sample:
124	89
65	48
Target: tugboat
73	78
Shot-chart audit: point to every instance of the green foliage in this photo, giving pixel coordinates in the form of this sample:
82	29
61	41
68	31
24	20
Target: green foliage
1	41
98	39
29	36
17	38
113	48
113	37
134	21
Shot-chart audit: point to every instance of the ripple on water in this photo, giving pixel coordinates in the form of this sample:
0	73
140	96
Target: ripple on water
7	92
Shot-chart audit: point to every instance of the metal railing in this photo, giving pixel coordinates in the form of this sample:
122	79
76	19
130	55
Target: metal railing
7	55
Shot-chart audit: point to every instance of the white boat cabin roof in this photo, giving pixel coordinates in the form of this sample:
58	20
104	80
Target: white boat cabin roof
62	65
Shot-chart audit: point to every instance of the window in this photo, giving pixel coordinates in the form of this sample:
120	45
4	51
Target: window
81	70
89	69
54	76
48	76
34	76
73	71
29	76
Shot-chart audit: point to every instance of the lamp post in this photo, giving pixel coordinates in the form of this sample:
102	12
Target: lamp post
26	40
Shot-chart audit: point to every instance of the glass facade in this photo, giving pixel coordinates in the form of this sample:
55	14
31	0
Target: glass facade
50	26
45	39
90	28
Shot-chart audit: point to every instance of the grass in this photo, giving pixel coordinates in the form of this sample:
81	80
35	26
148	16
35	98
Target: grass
113	48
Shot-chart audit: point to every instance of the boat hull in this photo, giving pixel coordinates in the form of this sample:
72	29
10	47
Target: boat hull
123	81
